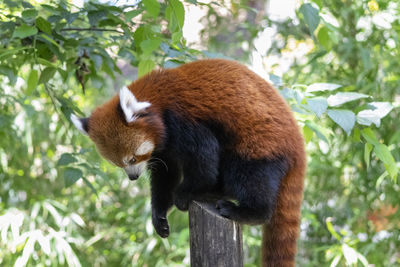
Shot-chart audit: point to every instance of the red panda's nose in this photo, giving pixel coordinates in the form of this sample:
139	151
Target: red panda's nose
133	177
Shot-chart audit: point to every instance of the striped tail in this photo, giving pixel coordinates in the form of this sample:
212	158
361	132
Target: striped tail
279	242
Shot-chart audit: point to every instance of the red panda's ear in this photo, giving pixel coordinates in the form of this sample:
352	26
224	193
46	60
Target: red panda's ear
81	124
130	106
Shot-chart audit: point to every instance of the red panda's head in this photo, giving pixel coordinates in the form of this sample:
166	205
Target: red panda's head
125	131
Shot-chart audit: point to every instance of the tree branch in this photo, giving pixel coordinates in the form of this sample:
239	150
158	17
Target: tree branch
90	29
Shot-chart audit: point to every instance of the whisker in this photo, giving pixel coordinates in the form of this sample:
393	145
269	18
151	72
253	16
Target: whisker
166	167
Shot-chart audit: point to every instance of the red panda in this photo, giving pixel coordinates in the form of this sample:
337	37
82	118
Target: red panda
210	127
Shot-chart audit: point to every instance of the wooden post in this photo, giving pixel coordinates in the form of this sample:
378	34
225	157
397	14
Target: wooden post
214	241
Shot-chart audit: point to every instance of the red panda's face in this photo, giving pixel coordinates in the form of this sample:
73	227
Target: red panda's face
122	133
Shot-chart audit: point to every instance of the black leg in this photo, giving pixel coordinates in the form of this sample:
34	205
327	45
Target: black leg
165	174
254	184
197	149
200	173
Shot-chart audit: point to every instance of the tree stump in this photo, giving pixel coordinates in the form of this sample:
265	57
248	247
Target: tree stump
214	240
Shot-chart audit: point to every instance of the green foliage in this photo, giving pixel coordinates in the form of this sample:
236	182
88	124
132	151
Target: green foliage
310	16
61	204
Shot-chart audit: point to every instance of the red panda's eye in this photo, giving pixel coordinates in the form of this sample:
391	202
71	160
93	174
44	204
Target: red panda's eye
132	161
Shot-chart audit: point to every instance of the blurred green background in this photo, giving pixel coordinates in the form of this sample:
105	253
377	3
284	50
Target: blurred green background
337	62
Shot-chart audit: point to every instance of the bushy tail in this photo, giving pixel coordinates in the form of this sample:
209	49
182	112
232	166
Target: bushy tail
280	235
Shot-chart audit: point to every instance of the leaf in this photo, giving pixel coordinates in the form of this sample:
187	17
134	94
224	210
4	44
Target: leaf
71	175
369	135
32	81
47	38
175	14
316	87
47	74
356	135
9	72
24	31
308	134
170	64
133	13
323	38
43	25
29	14
66	159
318	105
350	254
344	118
311	16
374	115
148	46
45	62
209	54
97	60
179	12
275	79
145	66
383	153
152	6
86	181
329	225
367	152
315	129
344	97
96	16
176	37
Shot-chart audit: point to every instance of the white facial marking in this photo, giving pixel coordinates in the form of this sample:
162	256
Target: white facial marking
130	105
78	124
136	169
144	148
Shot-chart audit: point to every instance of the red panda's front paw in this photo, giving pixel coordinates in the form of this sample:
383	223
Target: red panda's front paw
160	223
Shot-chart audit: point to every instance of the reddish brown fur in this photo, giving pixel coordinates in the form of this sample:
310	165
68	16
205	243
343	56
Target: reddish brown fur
247	106
115	138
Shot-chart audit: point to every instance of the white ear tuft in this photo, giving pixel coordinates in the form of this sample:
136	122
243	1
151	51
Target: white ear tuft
79	124
130	106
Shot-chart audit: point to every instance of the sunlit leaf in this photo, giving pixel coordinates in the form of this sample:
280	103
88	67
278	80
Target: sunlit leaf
33	79
315	87
145	66
383	153
29	14
148	46
175	14
329	225
367	152
308	133
317	131
349	254
344	97
133	13
323	38
377	111
369	135
24	31
275	79
318	105
344	118
152	6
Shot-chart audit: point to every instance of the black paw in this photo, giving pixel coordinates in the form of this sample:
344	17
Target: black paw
225	208
182	201
160	223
